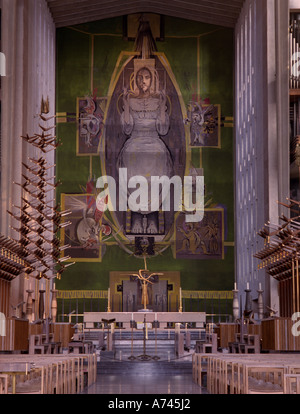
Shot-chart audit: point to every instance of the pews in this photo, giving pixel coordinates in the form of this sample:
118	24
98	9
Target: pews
248	373
79	345
244	344
43	344
209	345
199	367
47	374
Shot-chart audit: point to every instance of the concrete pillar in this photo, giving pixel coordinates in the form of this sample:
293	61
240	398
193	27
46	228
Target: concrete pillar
28	43
262	133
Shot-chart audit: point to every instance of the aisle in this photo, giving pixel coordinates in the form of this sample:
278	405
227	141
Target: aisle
163	376
148	384
126	371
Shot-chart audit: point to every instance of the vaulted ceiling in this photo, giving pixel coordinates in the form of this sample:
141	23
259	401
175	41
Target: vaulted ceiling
218	12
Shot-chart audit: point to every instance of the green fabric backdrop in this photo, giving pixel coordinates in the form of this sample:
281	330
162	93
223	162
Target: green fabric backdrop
74	49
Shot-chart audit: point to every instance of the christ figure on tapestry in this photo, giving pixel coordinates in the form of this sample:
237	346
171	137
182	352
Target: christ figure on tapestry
144	120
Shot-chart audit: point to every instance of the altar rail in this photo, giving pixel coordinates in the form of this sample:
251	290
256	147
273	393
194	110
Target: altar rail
91	318
248	374
217	305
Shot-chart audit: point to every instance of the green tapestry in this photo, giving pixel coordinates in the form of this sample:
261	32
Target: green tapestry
148	97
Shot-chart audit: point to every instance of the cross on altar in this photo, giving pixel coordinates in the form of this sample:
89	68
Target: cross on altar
145	277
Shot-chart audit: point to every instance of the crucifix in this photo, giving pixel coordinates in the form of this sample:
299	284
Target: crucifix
145	277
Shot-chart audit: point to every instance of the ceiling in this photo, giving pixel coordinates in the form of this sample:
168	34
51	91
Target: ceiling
218	12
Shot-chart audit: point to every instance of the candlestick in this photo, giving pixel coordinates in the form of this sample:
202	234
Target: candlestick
235	304
108	300
180	300
260	303
248	306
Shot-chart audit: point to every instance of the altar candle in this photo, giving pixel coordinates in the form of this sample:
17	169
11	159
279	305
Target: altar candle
259	286
235	286
247	286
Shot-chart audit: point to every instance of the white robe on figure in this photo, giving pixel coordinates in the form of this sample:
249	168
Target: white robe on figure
144	153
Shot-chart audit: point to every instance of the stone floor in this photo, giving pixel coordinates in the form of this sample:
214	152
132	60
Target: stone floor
168	375
148	384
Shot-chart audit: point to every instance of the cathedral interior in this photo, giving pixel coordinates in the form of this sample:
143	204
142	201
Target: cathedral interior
150	200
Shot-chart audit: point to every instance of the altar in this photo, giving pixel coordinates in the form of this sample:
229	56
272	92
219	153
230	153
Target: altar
163	318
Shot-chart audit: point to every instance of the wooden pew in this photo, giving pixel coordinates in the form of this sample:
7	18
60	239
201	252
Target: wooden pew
43	344
249	343
247	373
48	374
209	345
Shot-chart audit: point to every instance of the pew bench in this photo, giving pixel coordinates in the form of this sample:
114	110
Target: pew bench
208	345
47	374
81	347
43	344
249	344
